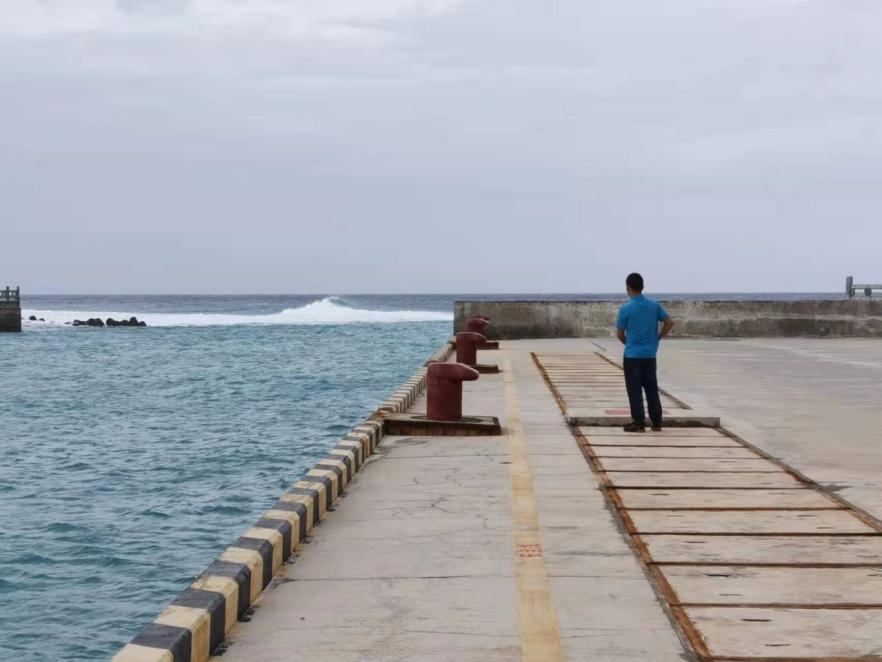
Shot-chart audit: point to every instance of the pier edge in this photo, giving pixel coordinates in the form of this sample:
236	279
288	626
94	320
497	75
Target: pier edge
198	620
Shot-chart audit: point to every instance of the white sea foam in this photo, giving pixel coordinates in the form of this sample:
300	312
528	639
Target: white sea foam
326	311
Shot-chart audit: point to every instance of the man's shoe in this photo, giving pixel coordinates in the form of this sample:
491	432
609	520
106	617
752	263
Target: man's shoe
634	427
656	428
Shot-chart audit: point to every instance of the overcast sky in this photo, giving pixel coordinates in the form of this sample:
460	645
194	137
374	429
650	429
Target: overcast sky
439	145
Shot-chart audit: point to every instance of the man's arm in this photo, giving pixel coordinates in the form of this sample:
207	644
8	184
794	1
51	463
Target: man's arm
667	325
621	324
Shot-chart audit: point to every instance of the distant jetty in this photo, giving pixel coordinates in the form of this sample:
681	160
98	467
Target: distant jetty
10	309
10	314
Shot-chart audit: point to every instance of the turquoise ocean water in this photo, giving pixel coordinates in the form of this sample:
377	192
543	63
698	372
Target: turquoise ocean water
132	457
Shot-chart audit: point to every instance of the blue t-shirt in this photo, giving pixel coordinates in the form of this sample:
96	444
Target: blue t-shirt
639	319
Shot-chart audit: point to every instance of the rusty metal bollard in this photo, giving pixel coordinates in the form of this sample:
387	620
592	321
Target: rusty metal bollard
477	324
467	343
445	390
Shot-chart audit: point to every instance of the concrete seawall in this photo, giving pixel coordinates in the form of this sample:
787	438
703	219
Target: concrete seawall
853	318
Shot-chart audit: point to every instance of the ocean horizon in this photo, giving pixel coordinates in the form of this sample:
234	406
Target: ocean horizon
315	309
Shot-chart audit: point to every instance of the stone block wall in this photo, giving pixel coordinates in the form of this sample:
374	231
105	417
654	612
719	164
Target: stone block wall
852	318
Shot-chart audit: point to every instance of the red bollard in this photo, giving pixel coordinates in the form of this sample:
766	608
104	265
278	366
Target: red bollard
467	343
445	390
477	324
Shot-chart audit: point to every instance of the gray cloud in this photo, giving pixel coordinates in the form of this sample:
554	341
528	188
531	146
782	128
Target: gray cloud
147	6
416	145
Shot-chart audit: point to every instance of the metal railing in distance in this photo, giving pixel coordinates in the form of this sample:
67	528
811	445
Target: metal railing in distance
9	295
851	288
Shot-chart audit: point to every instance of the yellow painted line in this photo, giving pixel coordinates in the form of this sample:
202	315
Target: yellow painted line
540	633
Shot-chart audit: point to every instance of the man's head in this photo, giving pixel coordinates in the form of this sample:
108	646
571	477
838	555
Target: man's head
634	284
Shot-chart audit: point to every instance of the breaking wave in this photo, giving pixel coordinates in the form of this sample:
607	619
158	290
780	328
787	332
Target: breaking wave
330	310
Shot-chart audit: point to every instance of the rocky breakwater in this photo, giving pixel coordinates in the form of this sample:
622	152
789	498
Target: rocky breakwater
94	321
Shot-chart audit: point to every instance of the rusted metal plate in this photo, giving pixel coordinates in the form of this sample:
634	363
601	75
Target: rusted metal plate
748	522
754	463
591	390
707	480
618	395
669	432
648	440
774	634
618	398
418	425
787	498
721	525
583	376
740	585
608	389
674	418
586	403
766	550
738	452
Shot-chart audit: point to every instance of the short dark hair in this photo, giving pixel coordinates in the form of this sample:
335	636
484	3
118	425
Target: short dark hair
635	282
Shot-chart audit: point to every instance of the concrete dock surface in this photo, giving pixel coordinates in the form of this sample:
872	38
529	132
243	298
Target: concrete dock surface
542	544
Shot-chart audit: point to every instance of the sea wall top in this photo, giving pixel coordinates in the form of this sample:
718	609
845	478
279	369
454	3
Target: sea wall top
731	319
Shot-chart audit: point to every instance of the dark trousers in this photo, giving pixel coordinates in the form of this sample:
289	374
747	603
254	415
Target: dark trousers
640	375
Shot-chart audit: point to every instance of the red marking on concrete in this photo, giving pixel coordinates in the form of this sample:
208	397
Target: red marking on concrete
529	551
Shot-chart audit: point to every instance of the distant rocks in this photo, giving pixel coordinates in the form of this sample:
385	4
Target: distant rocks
132	321
32	318
94	321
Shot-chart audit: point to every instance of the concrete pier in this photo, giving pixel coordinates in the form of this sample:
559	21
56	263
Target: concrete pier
10	309
755	541
472	548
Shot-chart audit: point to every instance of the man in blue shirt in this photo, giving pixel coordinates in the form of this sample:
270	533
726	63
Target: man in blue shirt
637	328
